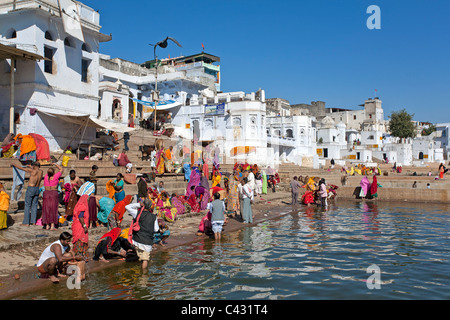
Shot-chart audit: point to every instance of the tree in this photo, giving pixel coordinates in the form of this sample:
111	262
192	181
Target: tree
401	124
429	130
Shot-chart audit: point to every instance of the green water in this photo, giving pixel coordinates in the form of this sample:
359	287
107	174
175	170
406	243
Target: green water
305	254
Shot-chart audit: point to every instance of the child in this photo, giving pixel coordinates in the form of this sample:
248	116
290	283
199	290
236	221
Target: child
217	208
4	206
93	177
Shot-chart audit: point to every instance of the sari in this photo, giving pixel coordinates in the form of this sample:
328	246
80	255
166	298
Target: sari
119	208
308	197
216	180
264	182
203	194
233	195
192	201
165	209
365	184
110	189
106	205
50	204
119	195
193	181
71	203
178	204
92	203
160	161
374	188
205	224
106	242
168	161
206	170
80	238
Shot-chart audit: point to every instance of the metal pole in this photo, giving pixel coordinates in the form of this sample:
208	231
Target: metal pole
156	87
11	105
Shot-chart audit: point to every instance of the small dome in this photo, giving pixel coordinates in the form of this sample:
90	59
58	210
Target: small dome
327	122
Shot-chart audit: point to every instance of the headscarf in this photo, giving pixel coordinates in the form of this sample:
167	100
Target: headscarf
113	234
374	186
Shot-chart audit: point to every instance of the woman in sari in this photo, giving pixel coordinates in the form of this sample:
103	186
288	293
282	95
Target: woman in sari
178	204
110	189
160	161
75	184
202	194
118	187
365	184
216	178
50	202
105	205
264	182
165	209
233	195
168	161
80	227
111	245
373	191
193	182
192	201
92	204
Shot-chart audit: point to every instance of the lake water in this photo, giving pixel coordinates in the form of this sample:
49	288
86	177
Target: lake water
305	254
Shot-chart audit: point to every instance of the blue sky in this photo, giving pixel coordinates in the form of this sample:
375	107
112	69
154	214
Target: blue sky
301	51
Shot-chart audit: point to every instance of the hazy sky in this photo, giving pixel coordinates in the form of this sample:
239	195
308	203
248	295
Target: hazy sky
301	51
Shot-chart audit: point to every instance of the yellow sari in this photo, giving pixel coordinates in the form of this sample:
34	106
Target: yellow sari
110	189
216	180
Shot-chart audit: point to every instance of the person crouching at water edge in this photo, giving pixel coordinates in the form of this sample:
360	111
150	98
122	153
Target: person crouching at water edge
142	230
57	256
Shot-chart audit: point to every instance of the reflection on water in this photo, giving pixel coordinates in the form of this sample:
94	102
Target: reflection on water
306	254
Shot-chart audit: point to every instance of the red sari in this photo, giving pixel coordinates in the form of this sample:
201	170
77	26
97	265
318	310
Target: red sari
195	206
80	238
119	208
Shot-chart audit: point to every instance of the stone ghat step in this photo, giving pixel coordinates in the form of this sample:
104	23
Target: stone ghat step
401	194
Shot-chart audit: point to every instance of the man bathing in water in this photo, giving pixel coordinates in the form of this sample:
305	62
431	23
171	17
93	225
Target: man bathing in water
32	194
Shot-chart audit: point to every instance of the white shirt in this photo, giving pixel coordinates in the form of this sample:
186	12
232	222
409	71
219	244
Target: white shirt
133	210
48	253
251	180
247	192
239	186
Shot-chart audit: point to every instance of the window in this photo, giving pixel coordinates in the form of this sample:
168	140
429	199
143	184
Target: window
289	133
84	69
49	36
354	117
86	48
11	34
48	64
69	43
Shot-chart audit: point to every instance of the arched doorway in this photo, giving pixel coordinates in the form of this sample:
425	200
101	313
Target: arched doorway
420	155
116	110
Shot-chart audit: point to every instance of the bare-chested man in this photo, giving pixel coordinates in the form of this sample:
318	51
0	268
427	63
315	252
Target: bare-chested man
32	194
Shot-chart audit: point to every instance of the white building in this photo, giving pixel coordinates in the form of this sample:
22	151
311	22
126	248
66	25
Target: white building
293	139
66	83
